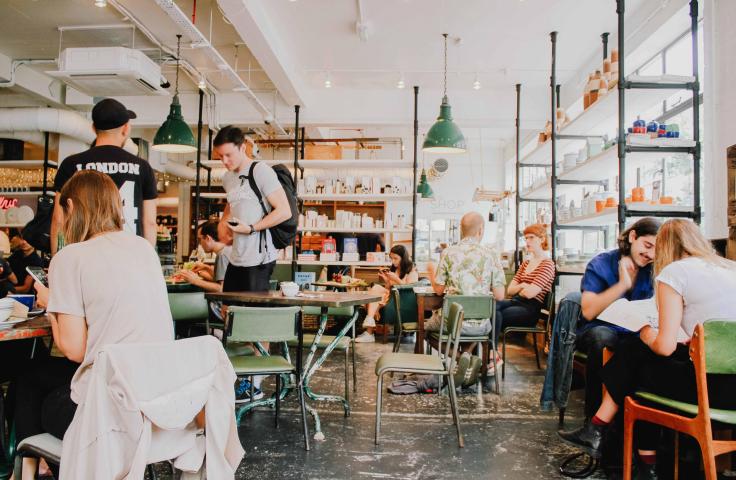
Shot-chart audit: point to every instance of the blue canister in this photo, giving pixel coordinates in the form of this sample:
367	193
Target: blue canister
652	127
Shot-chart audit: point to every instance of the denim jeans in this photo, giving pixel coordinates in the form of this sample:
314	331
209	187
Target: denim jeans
558	378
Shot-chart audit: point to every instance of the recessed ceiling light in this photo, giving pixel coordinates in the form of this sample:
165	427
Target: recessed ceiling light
328	81
100	3
400	83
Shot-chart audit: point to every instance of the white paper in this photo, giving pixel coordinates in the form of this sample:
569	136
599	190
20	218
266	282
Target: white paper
635	315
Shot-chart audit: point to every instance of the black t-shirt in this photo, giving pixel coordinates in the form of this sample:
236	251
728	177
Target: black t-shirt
133	176
18	263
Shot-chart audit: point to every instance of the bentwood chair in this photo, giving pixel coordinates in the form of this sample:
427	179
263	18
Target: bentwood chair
428	365
346	345
712	352
258	324
542	327
476	307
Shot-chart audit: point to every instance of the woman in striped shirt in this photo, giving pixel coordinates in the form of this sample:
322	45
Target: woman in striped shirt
532	282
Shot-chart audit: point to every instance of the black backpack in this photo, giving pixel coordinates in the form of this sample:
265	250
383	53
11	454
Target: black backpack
283	234
38	231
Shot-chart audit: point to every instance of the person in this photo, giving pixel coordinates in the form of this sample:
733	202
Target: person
693	284
23	256
529	287
207	277
253	255
625	272
467	268
5	247
8	278
105	287
133	176
402	271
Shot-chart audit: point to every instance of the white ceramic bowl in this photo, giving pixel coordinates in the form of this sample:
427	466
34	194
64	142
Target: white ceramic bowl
289	289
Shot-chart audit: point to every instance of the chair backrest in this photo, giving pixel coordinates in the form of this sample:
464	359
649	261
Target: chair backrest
188	306
455	318
720	338
259	324
475	307
406	302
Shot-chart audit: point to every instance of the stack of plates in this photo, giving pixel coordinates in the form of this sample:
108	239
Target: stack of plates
6	308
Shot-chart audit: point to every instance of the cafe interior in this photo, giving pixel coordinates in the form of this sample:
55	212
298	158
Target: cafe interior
421	240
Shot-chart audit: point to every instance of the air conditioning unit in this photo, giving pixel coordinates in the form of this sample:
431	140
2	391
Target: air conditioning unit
109	71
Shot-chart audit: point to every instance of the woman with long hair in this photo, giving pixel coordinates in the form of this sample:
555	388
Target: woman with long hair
693	284
402	271
529	287
105	287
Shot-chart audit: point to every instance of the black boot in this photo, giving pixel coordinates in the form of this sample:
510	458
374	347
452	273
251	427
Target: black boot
588	438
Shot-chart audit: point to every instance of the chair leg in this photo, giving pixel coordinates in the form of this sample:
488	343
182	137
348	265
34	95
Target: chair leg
278	400
347	376
379	398
494	348
455	413
503	355
677	455
355	372
629	420
303	408
709	459
536	351
561	419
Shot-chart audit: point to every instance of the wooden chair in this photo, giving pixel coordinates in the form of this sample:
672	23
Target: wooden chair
427	365
712	351
545	319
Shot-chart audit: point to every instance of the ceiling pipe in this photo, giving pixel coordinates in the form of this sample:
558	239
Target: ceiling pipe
52	120
198	38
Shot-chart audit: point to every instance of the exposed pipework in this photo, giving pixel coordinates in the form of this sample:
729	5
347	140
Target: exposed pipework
17	63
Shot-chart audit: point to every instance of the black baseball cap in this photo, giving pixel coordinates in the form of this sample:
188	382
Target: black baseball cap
109	113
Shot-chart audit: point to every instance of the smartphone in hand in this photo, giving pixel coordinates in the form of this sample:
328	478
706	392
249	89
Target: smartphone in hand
39	275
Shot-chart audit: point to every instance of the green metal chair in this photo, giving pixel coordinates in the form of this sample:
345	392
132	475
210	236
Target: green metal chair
345	345
476	307
428	365
258	324
547	314
712	352
405	312
189	307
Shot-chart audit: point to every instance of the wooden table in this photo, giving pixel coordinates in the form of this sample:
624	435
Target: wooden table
323	300
426	300
339	285
33	328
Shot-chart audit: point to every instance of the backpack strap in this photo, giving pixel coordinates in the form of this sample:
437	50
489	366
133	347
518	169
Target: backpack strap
254	186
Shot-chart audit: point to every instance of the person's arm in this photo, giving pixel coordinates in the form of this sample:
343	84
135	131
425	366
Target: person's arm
593	303
26	286
542	279
149	221
200	282
13	279
280	212
224	232
516	285
671	307
69	331
439	288
56	221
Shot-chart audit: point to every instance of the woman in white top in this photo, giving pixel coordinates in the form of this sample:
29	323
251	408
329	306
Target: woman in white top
105	287
693	284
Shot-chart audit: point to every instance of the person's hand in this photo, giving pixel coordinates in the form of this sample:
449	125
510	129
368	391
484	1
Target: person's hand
42	294
392	277
627	272
239	227
648	335
188	275
431	269
199	266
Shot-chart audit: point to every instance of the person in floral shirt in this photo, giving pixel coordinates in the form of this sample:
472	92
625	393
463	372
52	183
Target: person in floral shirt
468	268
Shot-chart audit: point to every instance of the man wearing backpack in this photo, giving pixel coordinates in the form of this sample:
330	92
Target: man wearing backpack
247	219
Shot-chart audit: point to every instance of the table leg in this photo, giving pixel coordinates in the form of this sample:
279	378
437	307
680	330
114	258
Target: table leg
419	345
311	368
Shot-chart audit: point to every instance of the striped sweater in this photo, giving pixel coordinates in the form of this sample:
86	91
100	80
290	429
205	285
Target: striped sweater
543	276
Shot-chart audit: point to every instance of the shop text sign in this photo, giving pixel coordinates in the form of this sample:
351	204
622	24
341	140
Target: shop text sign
6	203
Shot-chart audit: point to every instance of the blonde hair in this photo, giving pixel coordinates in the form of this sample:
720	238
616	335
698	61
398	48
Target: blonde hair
96	206
680	238
539	230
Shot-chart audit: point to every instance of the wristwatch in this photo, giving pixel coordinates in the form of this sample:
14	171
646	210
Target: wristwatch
252	230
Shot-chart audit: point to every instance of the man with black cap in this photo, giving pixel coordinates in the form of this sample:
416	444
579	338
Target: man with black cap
133	176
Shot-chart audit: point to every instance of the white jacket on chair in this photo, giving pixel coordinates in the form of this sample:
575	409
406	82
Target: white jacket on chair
140	408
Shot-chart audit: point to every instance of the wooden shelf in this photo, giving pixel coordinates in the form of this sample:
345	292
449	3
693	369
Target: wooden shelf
355	230
25	164
357	197
609	216
32	193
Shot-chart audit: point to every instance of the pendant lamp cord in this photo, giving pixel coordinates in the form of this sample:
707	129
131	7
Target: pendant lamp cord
178	50
445	83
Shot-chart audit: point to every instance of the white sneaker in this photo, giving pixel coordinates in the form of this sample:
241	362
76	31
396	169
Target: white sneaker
365	337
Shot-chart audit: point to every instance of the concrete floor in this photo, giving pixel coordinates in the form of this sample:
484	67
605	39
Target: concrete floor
506	436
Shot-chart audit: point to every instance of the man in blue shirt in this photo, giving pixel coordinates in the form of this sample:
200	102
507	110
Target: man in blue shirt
622	273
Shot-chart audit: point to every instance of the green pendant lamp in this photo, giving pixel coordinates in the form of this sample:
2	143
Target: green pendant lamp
423	189
175	136
444	136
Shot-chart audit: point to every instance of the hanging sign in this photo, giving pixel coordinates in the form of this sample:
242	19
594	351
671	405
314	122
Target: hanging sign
6	203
